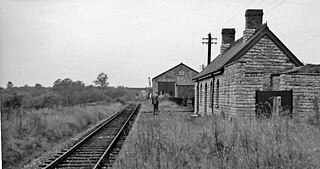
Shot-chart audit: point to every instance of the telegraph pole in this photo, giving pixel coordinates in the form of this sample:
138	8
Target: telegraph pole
209	42
149	92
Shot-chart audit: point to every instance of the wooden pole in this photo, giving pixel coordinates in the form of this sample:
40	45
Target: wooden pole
209	48
276	106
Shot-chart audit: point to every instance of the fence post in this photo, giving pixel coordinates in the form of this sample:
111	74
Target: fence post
316	108
276	106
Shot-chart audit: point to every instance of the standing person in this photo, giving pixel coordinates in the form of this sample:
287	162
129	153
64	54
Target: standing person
155	102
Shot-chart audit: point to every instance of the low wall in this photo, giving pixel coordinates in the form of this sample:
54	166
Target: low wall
305	88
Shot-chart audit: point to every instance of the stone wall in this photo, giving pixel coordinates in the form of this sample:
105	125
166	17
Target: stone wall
305	88
258	64
240	80
202	90
229	82
222	98
275	80
196	97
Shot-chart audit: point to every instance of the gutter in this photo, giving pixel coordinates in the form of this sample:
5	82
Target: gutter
208	75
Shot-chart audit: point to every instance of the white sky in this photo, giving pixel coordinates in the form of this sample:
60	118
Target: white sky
131	40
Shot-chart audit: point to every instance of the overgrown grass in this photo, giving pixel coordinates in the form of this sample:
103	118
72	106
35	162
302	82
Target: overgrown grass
30	133
175	140
165	106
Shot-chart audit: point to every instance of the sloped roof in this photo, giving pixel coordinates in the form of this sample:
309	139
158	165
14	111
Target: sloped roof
306	69
239	47
174	68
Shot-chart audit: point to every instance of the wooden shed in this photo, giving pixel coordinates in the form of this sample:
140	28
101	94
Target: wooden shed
177	82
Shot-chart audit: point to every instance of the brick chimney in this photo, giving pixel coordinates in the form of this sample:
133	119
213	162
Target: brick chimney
253	21
228	36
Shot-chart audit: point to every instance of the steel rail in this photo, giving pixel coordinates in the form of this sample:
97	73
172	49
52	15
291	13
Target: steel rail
60	158
114	141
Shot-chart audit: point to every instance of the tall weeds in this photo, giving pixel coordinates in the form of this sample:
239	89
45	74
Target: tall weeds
26	134
174	140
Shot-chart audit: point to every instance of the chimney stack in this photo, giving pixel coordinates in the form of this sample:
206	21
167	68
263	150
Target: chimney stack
253	21
228	36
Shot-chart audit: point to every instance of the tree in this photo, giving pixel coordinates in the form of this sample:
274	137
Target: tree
13	101
62	84
68	91
65	89
57	82
38	85
9	85
101	80
78	85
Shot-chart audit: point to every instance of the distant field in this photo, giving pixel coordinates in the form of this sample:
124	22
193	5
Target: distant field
173	139
35	132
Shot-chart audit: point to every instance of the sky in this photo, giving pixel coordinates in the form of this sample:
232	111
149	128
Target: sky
130	40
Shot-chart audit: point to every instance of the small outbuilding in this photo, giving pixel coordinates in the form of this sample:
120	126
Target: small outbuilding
304	81
177	82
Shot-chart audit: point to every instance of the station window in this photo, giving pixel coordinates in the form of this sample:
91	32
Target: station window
200	94
217	94
211	94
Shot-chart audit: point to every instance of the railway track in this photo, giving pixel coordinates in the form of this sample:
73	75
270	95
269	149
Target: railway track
100	148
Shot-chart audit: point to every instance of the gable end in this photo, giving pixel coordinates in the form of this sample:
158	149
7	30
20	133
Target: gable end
181	64
275	39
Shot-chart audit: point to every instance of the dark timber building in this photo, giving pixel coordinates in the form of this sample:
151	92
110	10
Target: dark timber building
177	82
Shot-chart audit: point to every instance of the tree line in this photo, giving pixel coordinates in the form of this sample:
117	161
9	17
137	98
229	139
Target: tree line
65	92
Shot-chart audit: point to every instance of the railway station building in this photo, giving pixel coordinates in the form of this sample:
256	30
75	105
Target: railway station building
177	82
258	61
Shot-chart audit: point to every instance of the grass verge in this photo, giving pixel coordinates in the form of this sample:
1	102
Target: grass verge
28	134
173	139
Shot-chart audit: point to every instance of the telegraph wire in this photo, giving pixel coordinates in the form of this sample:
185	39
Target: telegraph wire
237	13
276	6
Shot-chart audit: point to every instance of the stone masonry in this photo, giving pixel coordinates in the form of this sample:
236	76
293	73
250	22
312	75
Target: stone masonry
229	83
305	88
258	64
